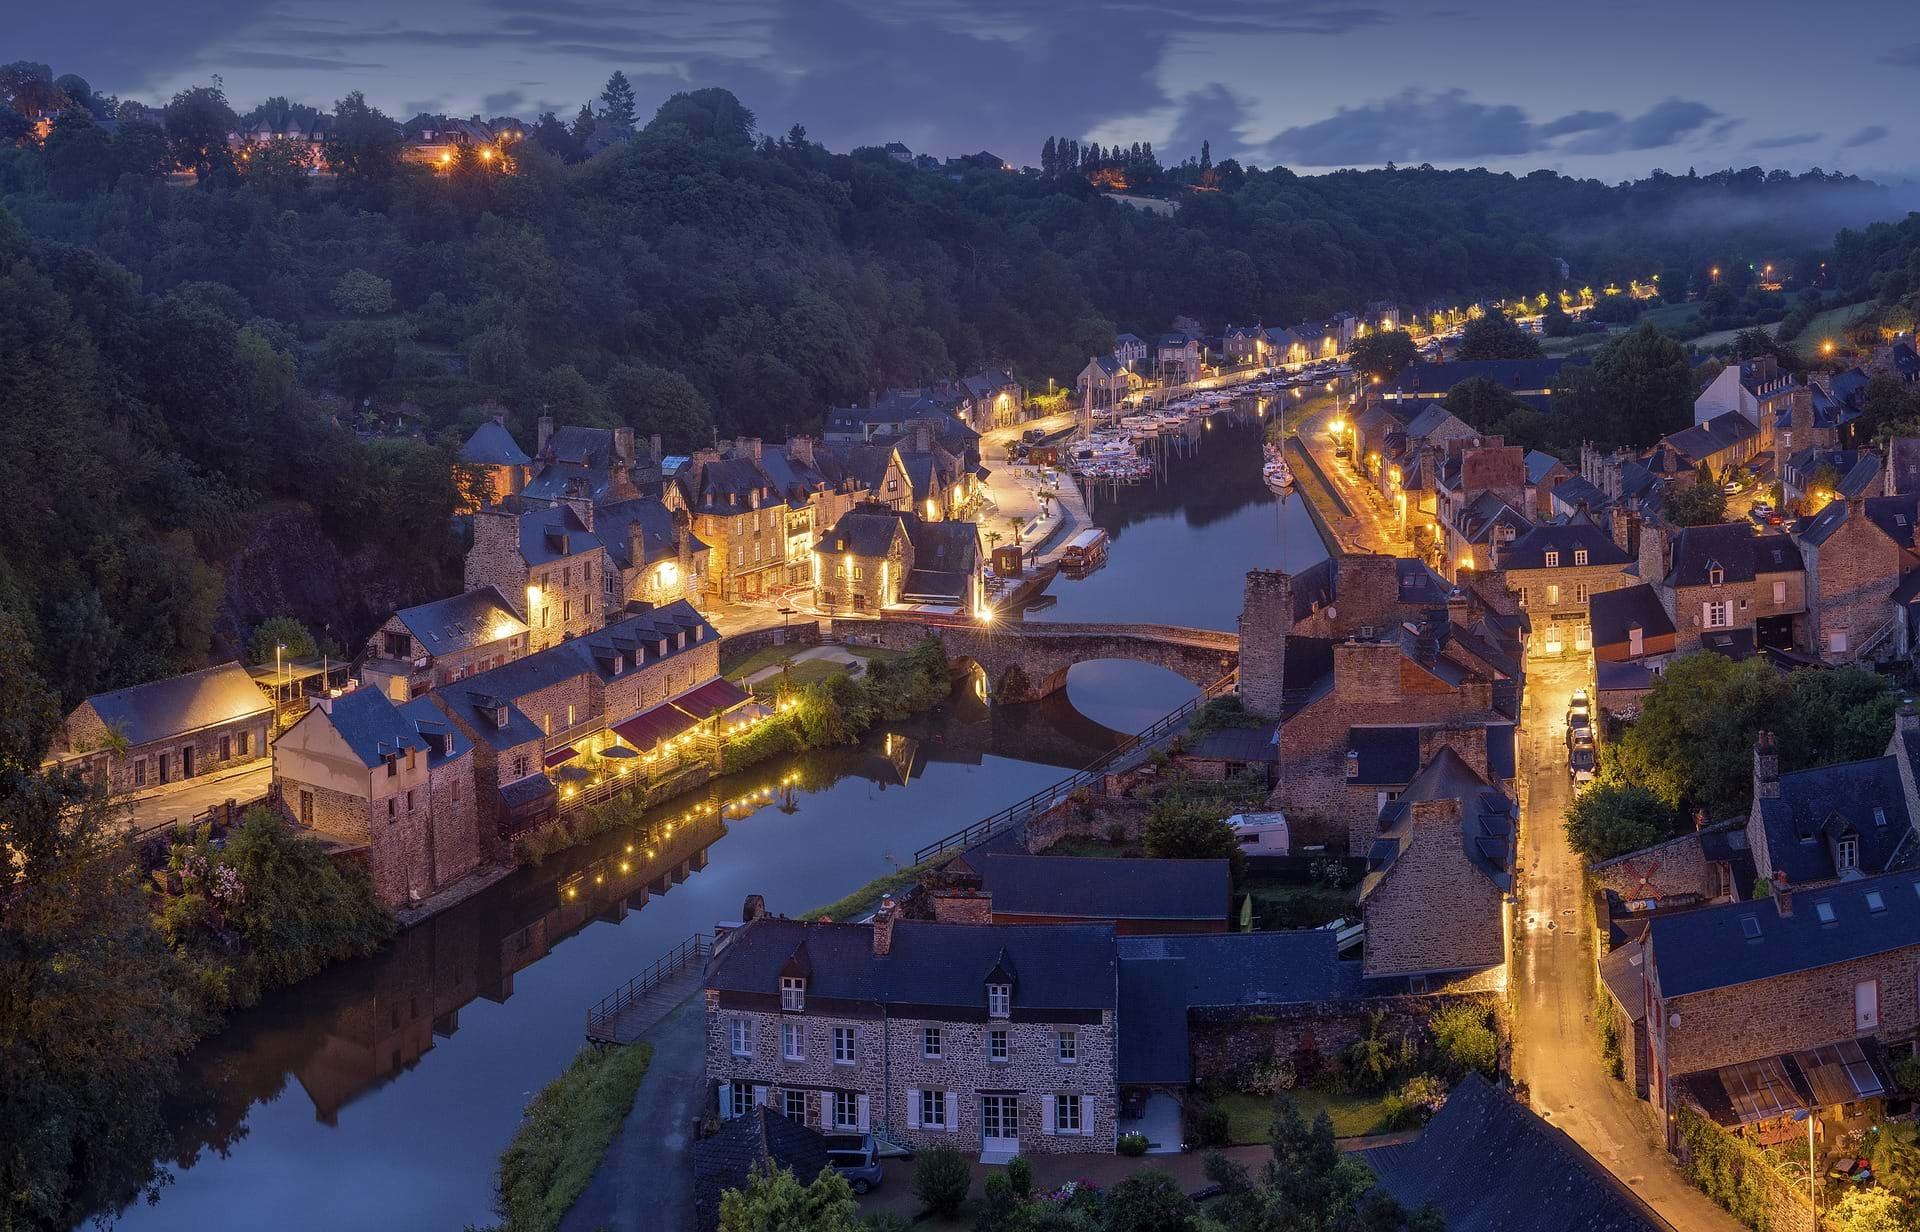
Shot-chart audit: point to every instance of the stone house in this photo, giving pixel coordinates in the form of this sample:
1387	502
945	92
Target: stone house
940	481
512	793
1832	823
1553	571
1722	444
166	731
988	399
1439	878
600	465
996	1039
1759	1010
1471	544
652	554
397	781
1176	358
1134	896
438	643
1104	382
1756	389
1858	552
877	557
1129	349
493	464
547	563
1246	345
1723	580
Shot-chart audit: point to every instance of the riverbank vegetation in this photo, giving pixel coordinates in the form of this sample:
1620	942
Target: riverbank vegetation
564	1134
840	709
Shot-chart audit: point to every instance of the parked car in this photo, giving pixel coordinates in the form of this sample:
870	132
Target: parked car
1579	715
1031	435
1730	487
1580	759
1758	516
855	1157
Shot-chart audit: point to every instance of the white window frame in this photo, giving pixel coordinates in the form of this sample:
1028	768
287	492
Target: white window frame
1579	556
742	1095
845	1109
1000	1040
1837	643
793	992
788	1099
1553	559
739	1039
793	1041
1866	1005
1066	1046
932	1110
932	1043
1066	1113
999	1000
1780	593
1846	854
846	1049
1717	615
1553	594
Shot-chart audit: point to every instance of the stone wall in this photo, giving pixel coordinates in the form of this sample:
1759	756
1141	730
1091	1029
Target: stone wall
456	841
1434	910
892	1048
1094	818
799	633
139	768
1849	580
1677	866
337	814
1266	617
1310	1034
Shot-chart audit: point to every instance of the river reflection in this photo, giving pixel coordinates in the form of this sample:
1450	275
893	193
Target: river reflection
380	1093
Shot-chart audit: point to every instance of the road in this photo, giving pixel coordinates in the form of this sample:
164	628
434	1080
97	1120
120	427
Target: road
1556	1043
1371	527
197	795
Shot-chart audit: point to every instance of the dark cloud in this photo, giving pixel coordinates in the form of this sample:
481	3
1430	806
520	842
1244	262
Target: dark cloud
126	45
1216	115
1907	56
1658	127
1866	136
1578	122
502	103
279	59
431	106
1411	126
1786	142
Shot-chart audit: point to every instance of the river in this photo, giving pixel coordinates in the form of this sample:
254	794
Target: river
380	1094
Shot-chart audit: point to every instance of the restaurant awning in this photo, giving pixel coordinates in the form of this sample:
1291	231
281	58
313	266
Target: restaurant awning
714	697
650	728
565	752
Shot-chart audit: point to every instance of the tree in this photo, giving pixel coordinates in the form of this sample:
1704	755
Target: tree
497	356
1383	353
1673	285
15	129
553	136
198	121
280	639
1046	157
617	102
1869	1210
361	354
1701	503
141	150
280	168
659	400
1493	336
80	158
774	1200
362	294
1149	1200
1889	407
711	114
364	146
941	1179
1611	818
1638	388
1177	831
28	89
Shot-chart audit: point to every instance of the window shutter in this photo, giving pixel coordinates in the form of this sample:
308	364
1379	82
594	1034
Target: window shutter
953	1112
726	1101
913	1108
1086	1115
861	1123
1047	1113
759	1096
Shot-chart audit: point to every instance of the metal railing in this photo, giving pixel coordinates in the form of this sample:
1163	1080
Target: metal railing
695	950
1047	797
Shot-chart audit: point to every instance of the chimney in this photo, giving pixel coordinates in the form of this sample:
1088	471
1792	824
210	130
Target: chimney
1782	893
1457	606
1620	525
636	546
800	449
1766	767
747	447
683	543
1800	416
623	446
500	417
873	398
883	927
755	908
921	434
653	442
546	433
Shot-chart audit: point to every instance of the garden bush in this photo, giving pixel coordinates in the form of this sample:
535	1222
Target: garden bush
941	1180
1464	1038
1132	1144
1207	1124
1020	1176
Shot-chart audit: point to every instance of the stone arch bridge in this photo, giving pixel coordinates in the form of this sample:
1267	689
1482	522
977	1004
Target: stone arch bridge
1027	660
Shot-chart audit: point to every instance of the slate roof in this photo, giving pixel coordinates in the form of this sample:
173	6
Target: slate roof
862	532
582	655
1054	966
1703	440
1091	888
1501	739
612	522
1510	374
1244	744
1486	820
553	533
1697	550
1428	421
1613	614
1420	585
1816	806
1735	644
1153	1022
1241	969
474	707
445	741
159	709
371	725
1578	533
763	1137
492	445
1491	1165
1695	951
1579	490
1389	756
462	622
1538	464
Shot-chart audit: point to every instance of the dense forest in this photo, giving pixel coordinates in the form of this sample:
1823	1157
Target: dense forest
232	385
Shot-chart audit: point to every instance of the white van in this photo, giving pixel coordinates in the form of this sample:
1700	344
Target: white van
1262	833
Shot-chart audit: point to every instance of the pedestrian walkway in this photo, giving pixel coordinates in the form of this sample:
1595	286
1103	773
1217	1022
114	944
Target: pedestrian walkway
832	654
645	1180
184	801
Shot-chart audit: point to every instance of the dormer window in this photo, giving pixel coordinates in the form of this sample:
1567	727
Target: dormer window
1846	854
1716	576
793	993
1353	763
999	1000
1580	556
1553	560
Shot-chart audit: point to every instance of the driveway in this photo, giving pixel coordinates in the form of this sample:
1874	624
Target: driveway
1556	1043
645	1180
184	801
1370	528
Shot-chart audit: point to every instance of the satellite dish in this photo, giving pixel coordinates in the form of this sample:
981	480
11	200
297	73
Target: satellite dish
1673	1020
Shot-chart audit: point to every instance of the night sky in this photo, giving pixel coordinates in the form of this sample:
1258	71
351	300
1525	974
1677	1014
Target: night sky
1600	88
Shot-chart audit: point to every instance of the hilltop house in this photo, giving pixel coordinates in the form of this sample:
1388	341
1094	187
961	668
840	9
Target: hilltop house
166	731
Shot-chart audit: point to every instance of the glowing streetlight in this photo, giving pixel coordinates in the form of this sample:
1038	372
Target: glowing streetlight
1826	348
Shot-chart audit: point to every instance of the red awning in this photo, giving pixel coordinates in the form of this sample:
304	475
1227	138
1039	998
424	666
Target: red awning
565	752
711	698
649	728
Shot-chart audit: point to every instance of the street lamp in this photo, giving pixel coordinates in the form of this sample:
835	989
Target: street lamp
1810	1115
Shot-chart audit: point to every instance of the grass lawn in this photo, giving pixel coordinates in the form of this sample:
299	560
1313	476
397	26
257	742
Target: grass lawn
1725	337
813	671
567	1128
1277	906
766	656
1249	1117
1096	847
867	897
1675	319
1830	325
873	652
